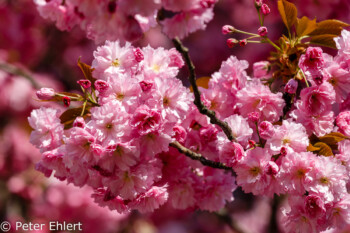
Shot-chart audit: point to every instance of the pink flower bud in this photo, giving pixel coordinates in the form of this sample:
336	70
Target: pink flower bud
251	143
96	149
265	9
261	69
231	153
45	93
180	133
66	101
291	86
283	151
243	43
266	130
146	85
231	42
84	83
271	168
138	55
312	59
258	3
254	116
227	29
262	31
314	206
101	86
175	58
79	122
208	134
343	122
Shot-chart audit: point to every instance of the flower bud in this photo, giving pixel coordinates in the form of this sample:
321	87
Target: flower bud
66	101
208	134
262	31
180	133
291	86
101	86
96	149
266	130
138	55
251	143
231	42
227	29
243	43
45	93
254	116
258	3
79	122
271	168
84	83
283	151
265	9
261	69
146	85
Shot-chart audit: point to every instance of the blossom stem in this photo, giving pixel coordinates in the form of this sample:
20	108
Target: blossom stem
271	43
247	33
206	162
197	95
84	106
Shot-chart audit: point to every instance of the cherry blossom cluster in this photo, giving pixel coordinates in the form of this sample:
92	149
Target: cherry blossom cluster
122	148
279	160
290	137
128	18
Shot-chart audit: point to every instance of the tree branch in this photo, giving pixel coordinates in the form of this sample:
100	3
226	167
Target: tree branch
200	158
11	69
197	95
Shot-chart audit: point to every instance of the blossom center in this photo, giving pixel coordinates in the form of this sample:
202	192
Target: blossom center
324	180
156	68
166	101
115	63
300	173
255	171
120	96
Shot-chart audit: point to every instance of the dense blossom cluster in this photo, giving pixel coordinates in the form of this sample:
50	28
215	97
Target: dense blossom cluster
122	150
128	18
290	136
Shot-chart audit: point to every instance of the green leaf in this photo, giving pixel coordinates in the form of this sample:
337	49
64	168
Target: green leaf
324	149
326	40
330	26
288	13
333	138
305	26
87	71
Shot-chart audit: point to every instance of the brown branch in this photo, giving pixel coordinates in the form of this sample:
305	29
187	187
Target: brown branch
11	69
226	218
200	158
197	95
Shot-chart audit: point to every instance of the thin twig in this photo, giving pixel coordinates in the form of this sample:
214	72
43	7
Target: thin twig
200	158
11	69
197	95
226	218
